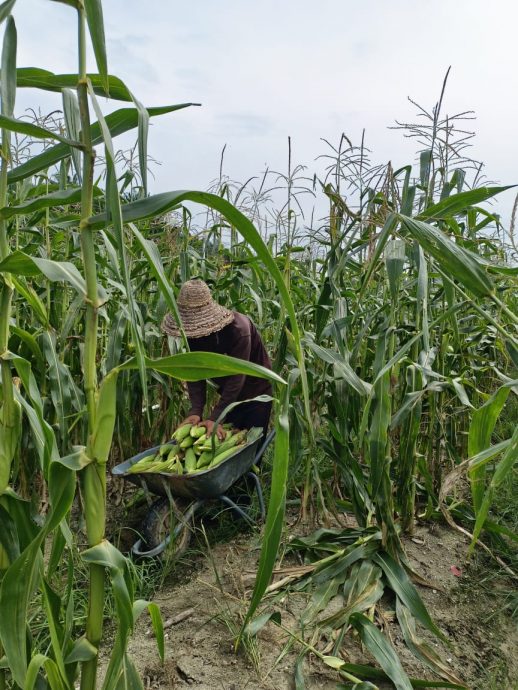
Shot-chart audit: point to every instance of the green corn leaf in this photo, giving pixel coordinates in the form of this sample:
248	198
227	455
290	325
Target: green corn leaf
156	621
420	649
73	125
58	379
38	662
299	673
63	197
501	472
487	455
17	586
381	649
342	368
52	604
105	415
320	599
155	264
115	339
483	422
77	460
20	579
343	560
38	432
31	297
276	507
194	366
118	122
56	271
36	78
376	674
395	260
258	623
34	131
363	588
143	132
451	257
460	203
127	677
5	9
94	17
8	80
82	650
380	422
405	590
121	672
9	535
71	3
388	229
107	556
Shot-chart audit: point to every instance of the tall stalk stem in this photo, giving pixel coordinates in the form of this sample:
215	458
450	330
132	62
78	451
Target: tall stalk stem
93	492
6	293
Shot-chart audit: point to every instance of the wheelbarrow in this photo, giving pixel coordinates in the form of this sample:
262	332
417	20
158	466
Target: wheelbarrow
170	518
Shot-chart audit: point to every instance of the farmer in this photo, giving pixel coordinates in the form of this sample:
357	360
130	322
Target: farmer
210	327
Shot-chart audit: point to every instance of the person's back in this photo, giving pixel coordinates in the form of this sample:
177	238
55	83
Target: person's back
210	327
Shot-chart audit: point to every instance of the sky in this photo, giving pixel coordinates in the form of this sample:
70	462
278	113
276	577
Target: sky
268	70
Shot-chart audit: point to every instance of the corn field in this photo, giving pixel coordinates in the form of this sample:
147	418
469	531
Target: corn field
392	326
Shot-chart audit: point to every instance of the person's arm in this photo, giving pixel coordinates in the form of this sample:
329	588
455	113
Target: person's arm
197	395
233	384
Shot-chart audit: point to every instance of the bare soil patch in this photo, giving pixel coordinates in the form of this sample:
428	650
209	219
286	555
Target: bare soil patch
213	587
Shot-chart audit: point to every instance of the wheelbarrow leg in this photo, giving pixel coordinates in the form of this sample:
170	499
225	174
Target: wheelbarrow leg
237	509
245	513
264	446
259	491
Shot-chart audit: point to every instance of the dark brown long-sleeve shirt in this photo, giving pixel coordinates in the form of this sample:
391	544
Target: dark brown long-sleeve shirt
239	339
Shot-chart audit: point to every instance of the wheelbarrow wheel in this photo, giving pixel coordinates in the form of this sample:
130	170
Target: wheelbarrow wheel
167	519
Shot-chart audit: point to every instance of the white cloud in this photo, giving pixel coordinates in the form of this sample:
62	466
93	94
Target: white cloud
267	70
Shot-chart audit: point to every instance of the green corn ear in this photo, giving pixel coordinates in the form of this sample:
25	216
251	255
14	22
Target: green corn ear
146	460
234	440
197	431
149	467
167	448
187	442
101	440
173	454
208	443
200	441
204	459
10	432
182	432
190	460
223	456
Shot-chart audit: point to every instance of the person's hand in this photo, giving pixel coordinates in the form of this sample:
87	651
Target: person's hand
191	419
209	425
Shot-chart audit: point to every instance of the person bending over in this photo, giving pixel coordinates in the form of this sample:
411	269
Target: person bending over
209	327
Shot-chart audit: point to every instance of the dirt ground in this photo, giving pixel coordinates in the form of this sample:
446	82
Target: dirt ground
211	588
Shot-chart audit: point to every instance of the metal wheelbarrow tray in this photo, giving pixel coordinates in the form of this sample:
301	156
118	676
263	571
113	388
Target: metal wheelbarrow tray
209	483
197	489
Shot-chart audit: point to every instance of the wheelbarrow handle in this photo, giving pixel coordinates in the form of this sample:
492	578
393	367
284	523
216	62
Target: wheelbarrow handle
269	438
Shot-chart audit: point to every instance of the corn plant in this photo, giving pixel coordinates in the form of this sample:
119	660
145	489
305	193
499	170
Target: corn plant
393	323
89	211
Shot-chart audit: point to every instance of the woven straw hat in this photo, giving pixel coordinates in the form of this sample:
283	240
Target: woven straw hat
200	314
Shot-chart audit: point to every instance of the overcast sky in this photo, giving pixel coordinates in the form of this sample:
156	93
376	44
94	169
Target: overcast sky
266	70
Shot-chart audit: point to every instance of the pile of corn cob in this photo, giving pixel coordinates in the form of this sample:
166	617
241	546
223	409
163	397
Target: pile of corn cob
191	450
